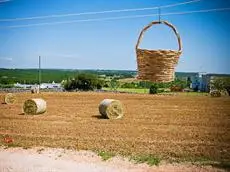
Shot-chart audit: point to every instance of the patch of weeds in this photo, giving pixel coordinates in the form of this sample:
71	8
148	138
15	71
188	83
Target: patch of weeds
223	165
149	159
40	150
197	160
105	155
26	147
201	161
69	147
206	161
12	145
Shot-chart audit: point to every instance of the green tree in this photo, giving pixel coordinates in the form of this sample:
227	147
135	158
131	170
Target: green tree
221	84
114	84
83	81
189	81
129	85
144	84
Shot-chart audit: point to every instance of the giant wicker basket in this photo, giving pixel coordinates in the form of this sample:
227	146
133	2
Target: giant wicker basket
157	65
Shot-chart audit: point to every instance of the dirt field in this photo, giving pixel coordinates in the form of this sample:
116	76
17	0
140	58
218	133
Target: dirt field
191	128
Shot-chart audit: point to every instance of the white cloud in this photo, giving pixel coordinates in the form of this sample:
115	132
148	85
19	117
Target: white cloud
6	58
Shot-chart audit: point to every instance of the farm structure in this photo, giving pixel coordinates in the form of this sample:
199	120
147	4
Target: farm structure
42	86
200	81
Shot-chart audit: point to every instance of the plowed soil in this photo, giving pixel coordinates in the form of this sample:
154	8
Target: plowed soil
171	127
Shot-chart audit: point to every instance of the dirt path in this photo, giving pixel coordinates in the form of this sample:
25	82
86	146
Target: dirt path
60	160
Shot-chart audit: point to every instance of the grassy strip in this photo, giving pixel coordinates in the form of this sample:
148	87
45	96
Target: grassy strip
149	159
105	155
130	90
146	91
153	160
205	161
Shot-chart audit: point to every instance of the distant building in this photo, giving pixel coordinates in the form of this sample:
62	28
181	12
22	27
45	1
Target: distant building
192	79
195	82
207	79
25	86
50	85
200	81
42	86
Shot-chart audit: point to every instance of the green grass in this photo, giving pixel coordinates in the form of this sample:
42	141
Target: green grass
193	93
149	159
105	155
11	145
222	165
146	91
130	90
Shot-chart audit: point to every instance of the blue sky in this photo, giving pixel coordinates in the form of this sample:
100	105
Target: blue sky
111	44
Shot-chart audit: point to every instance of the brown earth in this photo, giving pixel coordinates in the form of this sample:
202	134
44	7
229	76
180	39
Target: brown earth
173	127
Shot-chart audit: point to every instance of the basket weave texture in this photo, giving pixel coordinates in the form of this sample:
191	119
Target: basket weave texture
157	65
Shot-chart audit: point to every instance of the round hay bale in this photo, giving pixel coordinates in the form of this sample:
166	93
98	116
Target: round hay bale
215	93
9	98
110	108
34	106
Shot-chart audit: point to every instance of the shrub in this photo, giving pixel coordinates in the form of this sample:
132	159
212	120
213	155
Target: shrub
145	84
99	86
153	89
228	89
176	88
6	85
106	85
128	85
215	93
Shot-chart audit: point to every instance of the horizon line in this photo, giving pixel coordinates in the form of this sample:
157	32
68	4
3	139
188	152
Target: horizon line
108	70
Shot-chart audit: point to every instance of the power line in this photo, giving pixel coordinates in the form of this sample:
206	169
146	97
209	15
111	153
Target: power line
117	18
98	12
39	72
197	11
178	4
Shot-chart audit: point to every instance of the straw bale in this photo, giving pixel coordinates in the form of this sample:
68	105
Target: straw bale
34	106
9	98
111	109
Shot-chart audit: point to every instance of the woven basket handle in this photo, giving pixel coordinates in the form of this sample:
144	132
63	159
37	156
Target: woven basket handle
160	22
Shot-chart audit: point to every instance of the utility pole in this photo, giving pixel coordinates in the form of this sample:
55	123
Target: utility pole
39	73
159	14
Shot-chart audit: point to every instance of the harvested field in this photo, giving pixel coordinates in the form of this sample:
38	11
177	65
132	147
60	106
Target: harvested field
171	127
